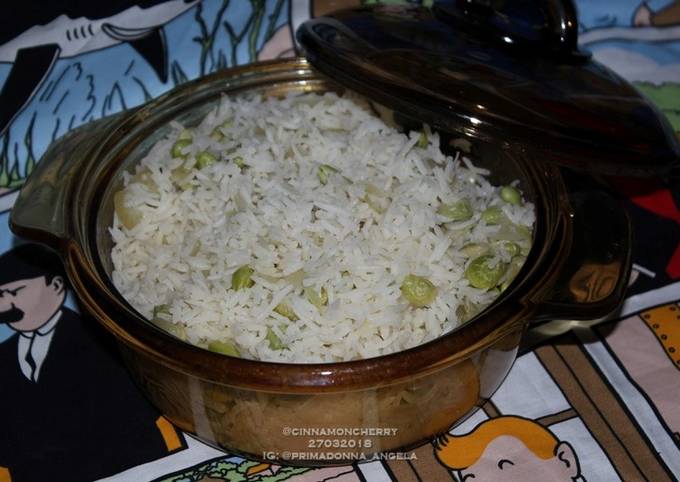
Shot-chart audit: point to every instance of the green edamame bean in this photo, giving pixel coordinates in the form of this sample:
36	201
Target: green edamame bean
482	274
457	211
511	195
474	250
418	290
492	215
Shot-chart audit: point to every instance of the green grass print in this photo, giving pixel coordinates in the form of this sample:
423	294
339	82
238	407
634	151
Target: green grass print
666	97
206	40
231	471
211	60
11	176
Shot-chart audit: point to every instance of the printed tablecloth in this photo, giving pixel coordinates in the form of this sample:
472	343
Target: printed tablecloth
600	402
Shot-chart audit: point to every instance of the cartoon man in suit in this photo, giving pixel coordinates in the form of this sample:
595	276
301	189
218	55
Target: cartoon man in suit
31	306
509	448
68	410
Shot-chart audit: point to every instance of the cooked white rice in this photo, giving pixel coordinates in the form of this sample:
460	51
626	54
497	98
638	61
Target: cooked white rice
357	236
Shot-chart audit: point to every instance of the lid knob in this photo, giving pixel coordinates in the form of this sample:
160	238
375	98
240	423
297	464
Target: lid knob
549	27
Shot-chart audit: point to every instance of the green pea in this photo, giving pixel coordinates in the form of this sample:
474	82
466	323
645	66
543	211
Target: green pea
184	140
473	250
481	274
284	309
223	347
241	278
178	148
275	342
418	290
457	211
324	171
492	215
317	299
205	159
423	142
511	195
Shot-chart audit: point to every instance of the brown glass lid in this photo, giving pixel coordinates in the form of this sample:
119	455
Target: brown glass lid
504	71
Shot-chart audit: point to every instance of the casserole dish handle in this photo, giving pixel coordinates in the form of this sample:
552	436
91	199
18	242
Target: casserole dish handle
594	276
40	212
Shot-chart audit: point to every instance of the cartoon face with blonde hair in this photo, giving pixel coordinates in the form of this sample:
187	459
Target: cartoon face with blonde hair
508	449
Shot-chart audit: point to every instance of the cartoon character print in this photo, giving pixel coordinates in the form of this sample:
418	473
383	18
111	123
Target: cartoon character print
666	16
67	63
31	306
649	342
38	37
509	448
41	36
641	42
230	468
57	369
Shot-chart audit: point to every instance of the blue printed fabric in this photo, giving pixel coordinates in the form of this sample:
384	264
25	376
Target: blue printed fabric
598	402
